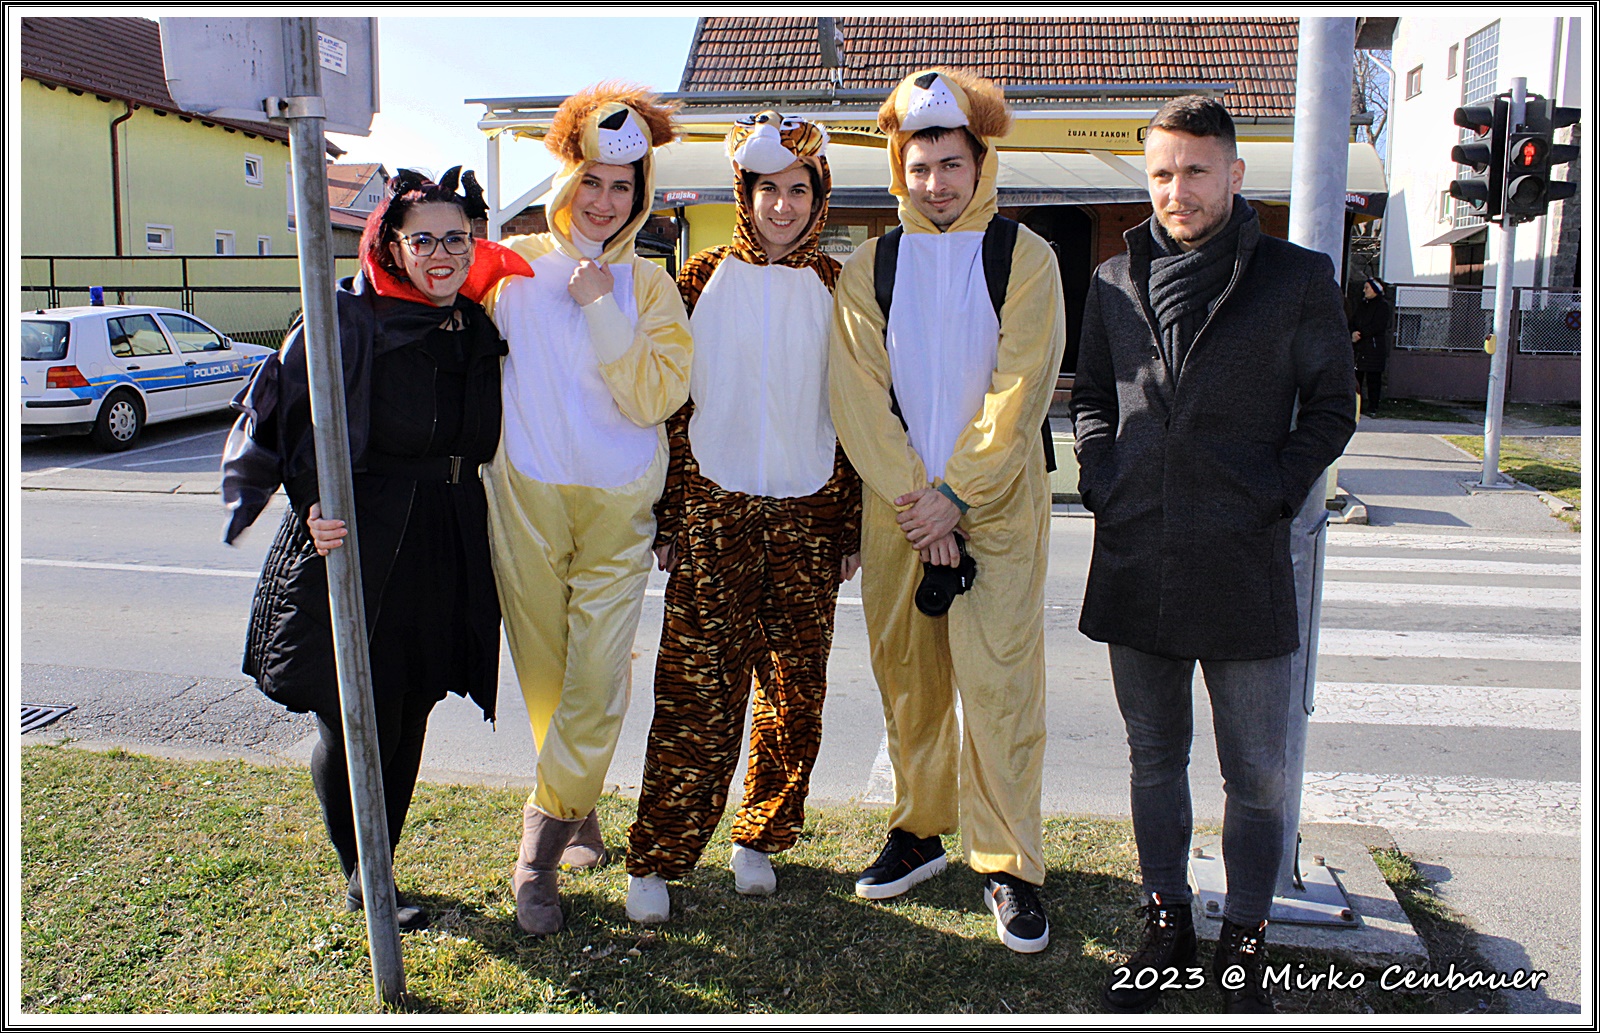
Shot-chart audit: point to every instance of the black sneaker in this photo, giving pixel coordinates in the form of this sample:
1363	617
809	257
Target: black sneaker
1018	915
1239	965
1168	943
904	862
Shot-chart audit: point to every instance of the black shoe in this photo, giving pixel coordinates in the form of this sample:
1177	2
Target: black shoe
410	917
1240	965
904	862
1018	916
1168	943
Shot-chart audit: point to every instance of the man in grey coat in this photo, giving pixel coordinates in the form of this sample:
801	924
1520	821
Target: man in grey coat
1213	387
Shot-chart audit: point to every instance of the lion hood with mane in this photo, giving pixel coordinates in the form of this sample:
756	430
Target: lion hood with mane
951	98
610	123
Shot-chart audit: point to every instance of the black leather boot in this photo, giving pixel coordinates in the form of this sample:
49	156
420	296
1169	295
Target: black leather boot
1239	965
1168	943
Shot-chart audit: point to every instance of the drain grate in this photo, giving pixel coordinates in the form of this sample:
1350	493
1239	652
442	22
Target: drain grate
36	715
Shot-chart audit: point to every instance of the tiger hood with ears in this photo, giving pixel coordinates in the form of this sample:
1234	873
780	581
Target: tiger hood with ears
951	98
766	143
610	123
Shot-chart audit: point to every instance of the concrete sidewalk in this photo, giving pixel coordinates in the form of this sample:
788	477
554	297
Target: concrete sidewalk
1521	893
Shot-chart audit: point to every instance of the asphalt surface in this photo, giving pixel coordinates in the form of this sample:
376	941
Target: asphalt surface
132	610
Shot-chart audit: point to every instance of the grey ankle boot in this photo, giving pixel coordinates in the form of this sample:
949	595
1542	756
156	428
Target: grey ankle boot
534	878
587	849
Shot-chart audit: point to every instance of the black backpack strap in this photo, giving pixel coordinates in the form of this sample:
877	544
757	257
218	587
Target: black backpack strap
999	240
884	261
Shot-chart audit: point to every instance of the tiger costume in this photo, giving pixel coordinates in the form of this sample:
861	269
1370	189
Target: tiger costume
760	508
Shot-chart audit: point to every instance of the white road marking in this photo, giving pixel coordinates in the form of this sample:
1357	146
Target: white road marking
175	459
1388	593
142	568
1460	804
117	455
1452	645
1498	568
1454	706
1351	538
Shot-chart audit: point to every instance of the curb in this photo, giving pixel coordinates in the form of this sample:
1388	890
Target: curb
1345	508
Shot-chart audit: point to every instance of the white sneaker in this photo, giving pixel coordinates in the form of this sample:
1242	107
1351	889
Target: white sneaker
752	872
648	901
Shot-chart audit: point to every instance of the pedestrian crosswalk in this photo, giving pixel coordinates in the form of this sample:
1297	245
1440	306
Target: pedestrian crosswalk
1411	625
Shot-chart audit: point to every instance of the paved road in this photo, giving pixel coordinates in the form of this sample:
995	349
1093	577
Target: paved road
1448	708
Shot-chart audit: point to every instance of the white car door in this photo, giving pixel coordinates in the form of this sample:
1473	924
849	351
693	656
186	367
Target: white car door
216	369
141	350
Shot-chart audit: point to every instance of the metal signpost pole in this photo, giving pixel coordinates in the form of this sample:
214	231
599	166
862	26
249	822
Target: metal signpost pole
1307	893
303	108
1494	407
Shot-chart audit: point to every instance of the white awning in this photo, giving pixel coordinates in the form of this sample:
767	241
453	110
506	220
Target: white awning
699	173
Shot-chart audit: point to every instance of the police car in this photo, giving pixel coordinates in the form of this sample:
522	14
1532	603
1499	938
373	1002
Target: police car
107	370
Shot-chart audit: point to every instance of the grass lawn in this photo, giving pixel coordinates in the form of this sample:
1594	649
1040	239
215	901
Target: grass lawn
1528	414
1552	464
164	886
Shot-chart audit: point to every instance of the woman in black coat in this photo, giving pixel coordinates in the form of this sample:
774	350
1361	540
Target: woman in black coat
422	383
1369	336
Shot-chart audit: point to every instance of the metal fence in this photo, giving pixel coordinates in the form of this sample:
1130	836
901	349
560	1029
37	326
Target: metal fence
249	298
1434	317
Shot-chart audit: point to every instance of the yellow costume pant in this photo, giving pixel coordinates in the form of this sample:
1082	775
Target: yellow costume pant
990	649
571	562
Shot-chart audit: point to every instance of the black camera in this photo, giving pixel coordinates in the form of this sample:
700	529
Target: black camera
940	584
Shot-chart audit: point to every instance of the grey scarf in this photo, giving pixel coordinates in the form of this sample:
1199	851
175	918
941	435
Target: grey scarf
1186	285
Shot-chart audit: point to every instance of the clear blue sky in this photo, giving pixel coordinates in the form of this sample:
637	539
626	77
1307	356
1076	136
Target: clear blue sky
429	65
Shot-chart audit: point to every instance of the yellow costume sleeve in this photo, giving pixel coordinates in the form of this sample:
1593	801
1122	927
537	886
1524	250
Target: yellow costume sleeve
651	380
990	453
858	386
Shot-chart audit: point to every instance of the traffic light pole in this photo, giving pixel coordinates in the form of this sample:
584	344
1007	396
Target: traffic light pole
1494	405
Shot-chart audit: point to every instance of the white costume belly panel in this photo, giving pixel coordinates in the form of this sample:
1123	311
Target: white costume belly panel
943	339
760	380
561	424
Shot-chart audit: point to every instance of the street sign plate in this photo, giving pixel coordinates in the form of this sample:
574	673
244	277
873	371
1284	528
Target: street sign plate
228	67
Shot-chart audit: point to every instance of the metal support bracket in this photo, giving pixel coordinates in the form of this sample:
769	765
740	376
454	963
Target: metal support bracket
1316	899
280	108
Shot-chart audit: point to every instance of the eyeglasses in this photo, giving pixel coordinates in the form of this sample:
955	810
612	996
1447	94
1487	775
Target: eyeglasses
424	244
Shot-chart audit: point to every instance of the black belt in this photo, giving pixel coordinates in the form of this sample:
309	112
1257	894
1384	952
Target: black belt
423	468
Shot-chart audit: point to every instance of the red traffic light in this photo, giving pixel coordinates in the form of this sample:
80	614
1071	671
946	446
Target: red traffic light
1528	152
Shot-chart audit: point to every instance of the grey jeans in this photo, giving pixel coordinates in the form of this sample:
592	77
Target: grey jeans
1250	705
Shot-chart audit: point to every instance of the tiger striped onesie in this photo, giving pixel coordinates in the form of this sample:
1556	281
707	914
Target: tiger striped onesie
751	597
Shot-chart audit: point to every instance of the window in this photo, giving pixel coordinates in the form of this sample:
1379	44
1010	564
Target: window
288	180
158	238
134	336
1413	82
263	246
252	169
1444	205
1480	71
191	334
372	198
1450	64
224	243
42	341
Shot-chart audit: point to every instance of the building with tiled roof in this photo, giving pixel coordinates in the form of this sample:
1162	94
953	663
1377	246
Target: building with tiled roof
111	165
1255	55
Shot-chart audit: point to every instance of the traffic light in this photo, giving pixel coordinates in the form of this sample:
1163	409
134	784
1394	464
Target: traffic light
1531	151
1486	155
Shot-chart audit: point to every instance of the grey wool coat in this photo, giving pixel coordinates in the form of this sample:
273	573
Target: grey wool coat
1193	482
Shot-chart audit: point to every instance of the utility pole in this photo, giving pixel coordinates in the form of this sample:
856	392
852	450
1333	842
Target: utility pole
1494	407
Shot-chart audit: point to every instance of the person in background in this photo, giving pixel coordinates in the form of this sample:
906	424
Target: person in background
1369	337
759	526
422	385
599	358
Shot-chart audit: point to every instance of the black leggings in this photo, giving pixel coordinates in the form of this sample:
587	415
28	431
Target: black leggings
401	727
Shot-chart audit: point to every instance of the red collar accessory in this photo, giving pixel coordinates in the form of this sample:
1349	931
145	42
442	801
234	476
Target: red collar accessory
491	263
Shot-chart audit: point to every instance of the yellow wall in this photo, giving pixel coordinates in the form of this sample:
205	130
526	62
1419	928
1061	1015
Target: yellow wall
176	172
709	225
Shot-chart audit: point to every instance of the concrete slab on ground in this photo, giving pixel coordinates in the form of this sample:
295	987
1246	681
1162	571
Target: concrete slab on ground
1385	935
